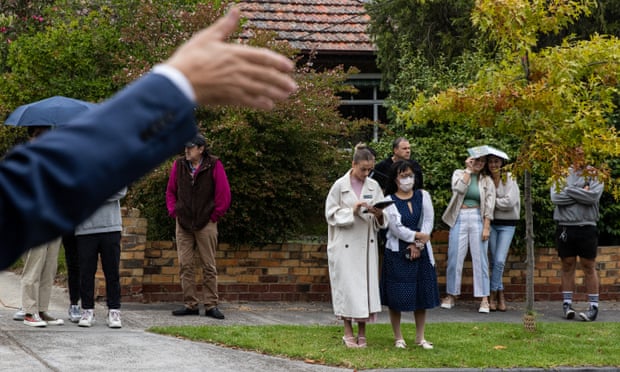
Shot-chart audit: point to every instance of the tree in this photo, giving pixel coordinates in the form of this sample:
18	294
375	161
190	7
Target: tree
439	30
553	99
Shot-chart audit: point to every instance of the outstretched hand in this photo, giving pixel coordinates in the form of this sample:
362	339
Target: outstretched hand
222	73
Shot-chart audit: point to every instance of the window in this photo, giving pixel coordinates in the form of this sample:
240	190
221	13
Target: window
367	102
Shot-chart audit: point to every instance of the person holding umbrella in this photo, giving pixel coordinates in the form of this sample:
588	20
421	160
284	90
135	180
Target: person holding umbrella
38	273
55	111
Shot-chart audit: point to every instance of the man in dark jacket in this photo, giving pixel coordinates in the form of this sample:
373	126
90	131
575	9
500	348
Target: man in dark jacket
197	195
401	150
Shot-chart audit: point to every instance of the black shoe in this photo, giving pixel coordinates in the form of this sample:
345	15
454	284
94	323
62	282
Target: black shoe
569	313
214	313
590	315
185	311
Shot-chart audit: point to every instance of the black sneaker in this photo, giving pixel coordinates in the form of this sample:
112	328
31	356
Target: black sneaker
214	313
590	315
185	311
569	313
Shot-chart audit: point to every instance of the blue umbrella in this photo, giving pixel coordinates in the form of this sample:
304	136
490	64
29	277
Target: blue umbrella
57	110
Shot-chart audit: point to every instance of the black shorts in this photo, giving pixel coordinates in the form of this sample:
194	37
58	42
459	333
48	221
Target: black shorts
573	241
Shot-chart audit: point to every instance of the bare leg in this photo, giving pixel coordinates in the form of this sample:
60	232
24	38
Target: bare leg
568	274
349	340
348	329
420	321
395	320
361	329
361	334
591	276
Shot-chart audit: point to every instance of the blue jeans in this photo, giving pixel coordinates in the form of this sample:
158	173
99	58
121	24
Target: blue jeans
467	234
499	245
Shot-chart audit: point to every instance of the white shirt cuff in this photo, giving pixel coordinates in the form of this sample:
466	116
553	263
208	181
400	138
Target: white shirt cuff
177	79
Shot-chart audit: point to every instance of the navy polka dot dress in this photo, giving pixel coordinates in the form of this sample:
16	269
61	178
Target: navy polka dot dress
408	285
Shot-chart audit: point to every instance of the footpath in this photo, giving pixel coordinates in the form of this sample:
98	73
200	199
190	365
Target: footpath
131	348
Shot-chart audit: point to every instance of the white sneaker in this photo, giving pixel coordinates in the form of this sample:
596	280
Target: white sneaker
19	315
114	319
448	302
88	318
484	307
75	314
50	319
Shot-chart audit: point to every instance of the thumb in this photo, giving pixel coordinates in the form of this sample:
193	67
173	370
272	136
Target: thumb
223	27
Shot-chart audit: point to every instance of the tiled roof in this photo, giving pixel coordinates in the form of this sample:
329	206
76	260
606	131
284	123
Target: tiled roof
319	25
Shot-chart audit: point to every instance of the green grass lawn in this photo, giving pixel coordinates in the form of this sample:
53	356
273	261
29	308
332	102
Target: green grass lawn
457	345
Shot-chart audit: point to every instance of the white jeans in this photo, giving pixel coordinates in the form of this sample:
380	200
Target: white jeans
467	233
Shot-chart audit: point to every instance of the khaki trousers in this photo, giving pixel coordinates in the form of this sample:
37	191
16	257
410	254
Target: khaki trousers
40	266
200	244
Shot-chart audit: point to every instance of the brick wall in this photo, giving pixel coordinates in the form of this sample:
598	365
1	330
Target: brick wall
298	271
275	272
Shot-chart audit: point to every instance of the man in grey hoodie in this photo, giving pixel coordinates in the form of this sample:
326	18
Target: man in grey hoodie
576	213
100	235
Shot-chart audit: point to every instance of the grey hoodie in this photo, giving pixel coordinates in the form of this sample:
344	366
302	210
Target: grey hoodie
105	219
574	205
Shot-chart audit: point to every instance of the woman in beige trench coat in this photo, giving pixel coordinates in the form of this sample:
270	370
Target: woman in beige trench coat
352	251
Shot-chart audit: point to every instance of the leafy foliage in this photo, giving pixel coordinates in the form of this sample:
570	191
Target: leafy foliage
438	30
282	163
517	25
553	100
47	62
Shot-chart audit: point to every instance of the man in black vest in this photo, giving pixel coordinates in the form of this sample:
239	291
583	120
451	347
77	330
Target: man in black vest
198	195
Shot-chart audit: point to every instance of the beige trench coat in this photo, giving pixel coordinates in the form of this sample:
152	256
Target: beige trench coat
352	249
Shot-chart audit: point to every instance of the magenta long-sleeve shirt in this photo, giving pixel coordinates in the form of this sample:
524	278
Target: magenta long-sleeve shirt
222	191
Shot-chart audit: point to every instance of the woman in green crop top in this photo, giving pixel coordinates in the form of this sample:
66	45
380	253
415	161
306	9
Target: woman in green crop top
469	215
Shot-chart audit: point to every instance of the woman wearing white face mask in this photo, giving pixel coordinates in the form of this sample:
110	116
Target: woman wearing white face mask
408	280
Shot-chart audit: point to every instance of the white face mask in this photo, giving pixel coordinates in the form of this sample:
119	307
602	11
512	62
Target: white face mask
406	184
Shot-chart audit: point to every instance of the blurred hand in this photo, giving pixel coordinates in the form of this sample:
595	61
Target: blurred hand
222	73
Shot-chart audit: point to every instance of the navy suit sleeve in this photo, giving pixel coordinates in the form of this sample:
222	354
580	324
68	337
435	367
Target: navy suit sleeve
51	184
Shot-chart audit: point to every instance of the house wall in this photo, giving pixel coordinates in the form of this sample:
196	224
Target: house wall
298	271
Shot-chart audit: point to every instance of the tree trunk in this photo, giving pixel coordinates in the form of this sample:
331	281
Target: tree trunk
529	243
